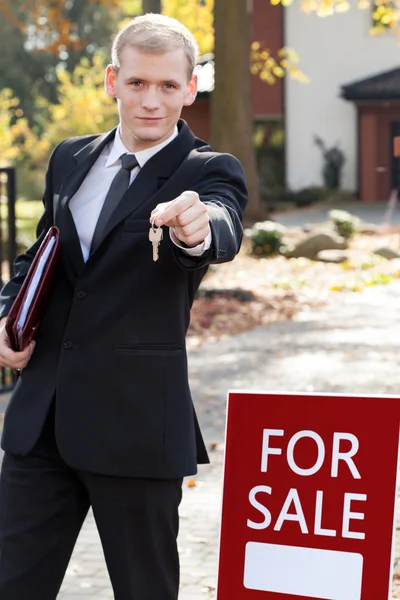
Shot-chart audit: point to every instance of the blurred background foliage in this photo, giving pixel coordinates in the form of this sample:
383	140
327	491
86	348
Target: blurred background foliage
52	60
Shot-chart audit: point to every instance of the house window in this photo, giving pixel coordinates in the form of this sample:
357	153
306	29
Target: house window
269	141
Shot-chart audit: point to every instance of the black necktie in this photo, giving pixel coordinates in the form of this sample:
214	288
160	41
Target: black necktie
118	187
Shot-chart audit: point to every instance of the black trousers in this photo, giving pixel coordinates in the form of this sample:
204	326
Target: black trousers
43	504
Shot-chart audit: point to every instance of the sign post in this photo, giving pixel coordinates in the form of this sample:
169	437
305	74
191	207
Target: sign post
309	497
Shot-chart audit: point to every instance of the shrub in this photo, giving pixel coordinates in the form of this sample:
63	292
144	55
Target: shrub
308	196
346	224
340	196
266	238
334	160
282	199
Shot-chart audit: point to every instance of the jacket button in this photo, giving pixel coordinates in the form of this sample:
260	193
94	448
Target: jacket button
68	345
81	295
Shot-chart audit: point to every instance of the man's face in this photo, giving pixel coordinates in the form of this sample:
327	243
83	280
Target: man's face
151	90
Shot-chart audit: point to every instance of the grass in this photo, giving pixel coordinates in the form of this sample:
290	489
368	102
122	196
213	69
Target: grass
28	213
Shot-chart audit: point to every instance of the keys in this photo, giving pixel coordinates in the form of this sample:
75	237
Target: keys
155	236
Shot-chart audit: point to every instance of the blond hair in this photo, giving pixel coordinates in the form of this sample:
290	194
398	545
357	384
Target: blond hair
156	34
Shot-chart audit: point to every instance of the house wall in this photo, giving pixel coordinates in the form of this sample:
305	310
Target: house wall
268	30
198	117
333	51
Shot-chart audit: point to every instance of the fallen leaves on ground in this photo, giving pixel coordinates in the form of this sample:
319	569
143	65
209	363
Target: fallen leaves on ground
282	287
396	586
221	316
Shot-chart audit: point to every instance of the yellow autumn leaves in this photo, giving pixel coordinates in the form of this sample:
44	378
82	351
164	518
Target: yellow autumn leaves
83	108
197	16
16	137
385	13
385	16
269	68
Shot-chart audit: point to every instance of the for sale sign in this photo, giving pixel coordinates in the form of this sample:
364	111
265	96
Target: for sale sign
309	497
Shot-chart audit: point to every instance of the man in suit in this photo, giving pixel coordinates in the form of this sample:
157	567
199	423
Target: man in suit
101	414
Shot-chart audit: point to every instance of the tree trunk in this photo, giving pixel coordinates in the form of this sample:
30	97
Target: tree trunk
151	6
231	104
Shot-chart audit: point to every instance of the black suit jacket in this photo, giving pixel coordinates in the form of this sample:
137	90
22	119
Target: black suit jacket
111	346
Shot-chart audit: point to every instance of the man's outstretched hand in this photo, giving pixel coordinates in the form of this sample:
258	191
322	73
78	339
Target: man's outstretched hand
187	215
9	358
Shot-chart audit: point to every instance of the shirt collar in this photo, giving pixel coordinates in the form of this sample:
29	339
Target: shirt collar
117	147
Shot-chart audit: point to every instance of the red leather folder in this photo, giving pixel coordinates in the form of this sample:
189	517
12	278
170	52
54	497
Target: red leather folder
26	312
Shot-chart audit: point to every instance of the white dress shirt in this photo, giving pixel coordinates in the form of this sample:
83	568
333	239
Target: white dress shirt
88	201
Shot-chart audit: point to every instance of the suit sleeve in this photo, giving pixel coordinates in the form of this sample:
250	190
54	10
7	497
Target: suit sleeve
222	187
23	262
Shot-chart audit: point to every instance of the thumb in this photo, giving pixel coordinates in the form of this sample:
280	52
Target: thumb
32	345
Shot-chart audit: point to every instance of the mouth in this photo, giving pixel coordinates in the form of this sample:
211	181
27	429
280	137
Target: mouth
150	119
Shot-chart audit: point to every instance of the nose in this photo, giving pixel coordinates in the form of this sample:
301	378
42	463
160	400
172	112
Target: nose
150	99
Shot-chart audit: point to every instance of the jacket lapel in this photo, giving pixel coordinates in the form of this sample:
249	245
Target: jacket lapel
155	172
84	159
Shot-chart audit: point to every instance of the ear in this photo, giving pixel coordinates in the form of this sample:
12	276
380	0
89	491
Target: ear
110	81
191	91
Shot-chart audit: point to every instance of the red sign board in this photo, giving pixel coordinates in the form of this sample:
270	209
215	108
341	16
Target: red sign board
309	497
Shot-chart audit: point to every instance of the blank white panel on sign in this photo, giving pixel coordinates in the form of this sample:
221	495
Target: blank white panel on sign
324	574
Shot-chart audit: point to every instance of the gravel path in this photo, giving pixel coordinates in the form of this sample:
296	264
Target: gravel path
350	346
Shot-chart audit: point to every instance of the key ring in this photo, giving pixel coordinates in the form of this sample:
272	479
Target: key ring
154	227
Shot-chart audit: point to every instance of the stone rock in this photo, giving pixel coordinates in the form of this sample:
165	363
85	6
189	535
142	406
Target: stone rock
387	252
332	256
368	228
315	242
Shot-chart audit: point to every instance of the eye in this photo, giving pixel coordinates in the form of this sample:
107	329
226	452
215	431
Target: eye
136	84
170	86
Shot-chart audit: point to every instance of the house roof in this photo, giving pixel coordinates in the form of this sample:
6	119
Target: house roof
385	86
204	70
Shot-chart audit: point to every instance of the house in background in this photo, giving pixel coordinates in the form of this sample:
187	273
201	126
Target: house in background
377	101
352	101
